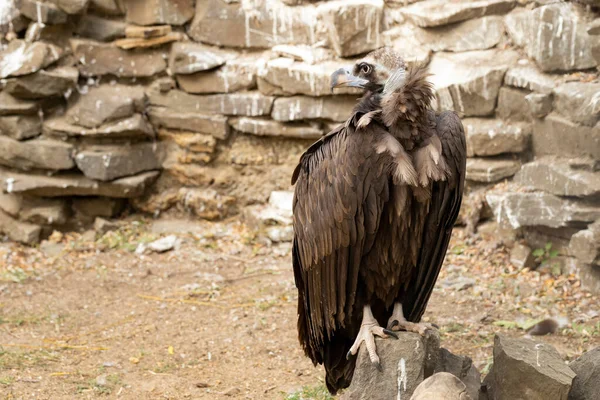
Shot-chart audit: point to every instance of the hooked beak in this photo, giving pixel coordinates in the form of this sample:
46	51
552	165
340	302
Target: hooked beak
343	78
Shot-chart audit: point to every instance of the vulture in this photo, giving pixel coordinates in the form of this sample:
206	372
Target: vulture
374	205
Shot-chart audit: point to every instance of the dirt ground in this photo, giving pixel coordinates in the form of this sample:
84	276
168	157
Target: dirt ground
84	317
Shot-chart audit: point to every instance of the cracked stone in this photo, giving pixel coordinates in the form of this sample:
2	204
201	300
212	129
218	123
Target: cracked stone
190	57
335	108
490	137
44	83
441	12
134	126
35	154
22	58
578	101
215	125
21	127
557	135
556	176
469	82
491	169
266	127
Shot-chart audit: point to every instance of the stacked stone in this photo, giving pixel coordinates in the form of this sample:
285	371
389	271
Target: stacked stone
71	147
234	91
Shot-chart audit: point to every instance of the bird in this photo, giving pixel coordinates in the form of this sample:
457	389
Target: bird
375	202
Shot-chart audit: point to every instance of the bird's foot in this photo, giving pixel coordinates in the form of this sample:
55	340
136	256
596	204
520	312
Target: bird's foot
421	328
367	334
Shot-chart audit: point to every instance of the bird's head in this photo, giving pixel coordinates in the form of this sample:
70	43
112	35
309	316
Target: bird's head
371	72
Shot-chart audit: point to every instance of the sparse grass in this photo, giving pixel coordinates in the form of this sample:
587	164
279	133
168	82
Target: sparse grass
6	380
13	274
26	359
318	392
452	327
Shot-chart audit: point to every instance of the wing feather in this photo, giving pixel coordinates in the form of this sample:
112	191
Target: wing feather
338	203
446	198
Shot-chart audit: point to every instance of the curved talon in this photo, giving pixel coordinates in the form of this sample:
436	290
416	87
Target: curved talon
390	333
393	324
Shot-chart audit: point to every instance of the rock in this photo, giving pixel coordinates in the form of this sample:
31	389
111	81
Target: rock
93	207
99	28
556	176
267	127
163	244
235	75
35	154
51	249
512	105
286	76
540	104
135	126
109	162
42	12
469	82
590	278
215	125
521	257
530	78
586	384
71	6
308	54
518	209
247	103
106	103
140	43
21	127
97	58
150	12
335	108
405	363
74	185
557	135
522	366
585	245
578	101
10	105
34	209
462	368
490	137
45	83
18	231
282	201
43	211
22	58
254	25
593	27
476	34
491	169
442	386
146	32
353	27
190	57
194	142
108	7
439	12
554	35
206	203
101	225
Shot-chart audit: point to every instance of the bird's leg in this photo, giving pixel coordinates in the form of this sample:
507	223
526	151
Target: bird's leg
397	322
368	329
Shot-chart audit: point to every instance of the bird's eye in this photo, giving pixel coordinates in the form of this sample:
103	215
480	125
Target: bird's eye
365	69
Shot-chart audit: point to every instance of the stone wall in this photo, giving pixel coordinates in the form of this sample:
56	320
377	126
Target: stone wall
204	107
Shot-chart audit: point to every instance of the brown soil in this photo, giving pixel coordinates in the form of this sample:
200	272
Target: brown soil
215	318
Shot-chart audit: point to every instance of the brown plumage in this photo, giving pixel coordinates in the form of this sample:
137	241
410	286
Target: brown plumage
374	206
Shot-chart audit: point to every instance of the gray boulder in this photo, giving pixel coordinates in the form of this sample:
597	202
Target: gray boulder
490	170
524	369
461	367
36	154
440	12
109	162
556	175
585	245
578	101
405	363
586	385
441	386
558	135
518	208
554	35
491	137
469	82
44	83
